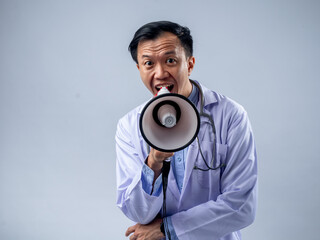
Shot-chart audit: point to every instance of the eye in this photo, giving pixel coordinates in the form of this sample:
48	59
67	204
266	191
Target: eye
148	63
171	60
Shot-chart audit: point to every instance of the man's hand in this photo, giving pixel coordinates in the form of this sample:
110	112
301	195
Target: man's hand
155	161
149	231
156	158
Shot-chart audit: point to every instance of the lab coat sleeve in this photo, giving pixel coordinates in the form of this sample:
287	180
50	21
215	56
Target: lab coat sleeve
132	199
235	207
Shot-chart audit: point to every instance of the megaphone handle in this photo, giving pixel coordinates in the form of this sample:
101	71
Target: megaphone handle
165	168
165	172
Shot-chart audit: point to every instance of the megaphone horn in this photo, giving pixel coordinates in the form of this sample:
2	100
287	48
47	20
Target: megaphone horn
169	122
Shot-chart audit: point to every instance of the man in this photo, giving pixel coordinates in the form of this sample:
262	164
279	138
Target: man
211	190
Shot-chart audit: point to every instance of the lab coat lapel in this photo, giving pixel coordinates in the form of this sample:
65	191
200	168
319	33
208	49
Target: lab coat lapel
193	151
191	158
209	99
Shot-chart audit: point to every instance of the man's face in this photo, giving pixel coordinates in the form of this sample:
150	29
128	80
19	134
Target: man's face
163	62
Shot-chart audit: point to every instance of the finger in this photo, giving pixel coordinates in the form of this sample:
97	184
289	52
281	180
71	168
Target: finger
161	156
170	154
133	237
131	230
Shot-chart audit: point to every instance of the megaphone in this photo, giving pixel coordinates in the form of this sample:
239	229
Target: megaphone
169	122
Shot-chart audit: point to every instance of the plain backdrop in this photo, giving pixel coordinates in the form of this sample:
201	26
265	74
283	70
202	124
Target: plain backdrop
66	78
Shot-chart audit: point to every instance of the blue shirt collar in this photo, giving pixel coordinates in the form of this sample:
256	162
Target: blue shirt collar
194	95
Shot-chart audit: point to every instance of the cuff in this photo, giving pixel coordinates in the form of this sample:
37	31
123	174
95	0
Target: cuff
147	176
168	227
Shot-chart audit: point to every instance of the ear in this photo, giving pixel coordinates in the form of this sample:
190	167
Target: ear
138	66
191	62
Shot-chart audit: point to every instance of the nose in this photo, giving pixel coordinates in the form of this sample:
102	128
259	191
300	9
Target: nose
161	72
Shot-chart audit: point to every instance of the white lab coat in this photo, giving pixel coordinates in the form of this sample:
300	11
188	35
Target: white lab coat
213	204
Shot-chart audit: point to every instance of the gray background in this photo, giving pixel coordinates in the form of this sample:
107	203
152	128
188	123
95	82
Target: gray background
66	78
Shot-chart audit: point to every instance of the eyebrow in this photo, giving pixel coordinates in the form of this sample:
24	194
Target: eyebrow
170	52
166	53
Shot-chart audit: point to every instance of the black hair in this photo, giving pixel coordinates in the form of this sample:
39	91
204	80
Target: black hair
152	30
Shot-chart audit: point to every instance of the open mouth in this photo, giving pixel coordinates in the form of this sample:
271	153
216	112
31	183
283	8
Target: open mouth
169	87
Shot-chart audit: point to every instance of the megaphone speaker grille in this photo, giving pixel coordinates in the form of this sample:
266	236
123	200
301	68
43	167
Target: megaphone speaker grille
163	108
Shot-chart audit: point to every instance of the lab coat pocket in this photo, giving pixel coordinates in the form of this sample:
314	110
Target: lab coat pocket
206	176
